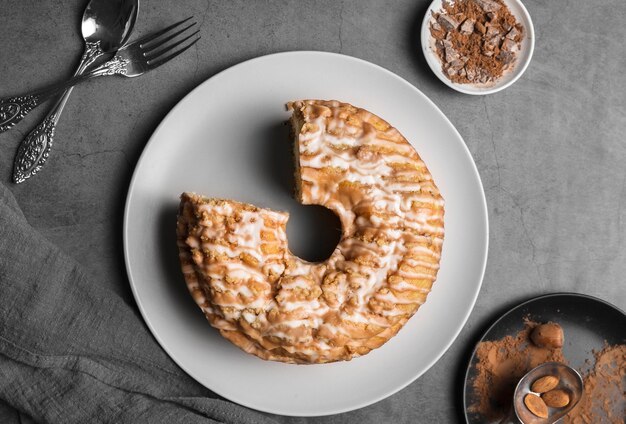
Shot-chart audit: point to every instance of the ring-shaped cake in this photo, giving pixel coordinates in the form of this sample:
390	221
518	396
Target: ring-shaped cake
270	303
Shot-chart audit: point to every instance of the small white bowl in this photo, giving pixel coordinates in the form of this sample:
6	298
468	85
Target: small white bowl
510	76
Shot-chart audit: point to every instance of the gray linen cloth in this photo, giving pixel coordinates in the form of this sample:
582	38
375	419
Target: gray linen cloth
72	351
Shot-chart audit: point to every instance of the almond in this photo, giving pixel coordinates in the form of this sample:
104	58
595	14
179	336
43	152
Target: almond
556	398
548	335
536	405
545	384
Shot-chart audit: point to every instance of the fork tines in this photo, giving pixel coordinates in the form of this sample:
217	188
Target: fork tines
157	47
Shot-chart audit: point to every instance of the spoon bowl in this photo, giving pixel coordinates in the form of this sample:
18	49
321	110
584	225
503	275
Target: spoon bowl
569	380
109	22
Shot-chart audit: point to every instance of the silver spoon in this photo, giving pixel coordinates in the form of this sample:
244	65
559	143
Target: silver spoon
569	380
106	26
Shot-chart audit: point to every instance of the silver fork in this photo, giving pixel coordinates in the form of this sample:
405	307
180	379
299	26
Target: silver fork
132	60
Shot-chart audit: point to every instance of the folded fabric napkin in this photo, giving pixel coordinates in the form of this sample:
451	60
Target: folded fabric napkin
72	351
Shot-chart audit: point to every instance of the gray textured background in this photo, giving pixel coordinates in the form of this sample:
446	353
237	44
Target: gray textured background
550	149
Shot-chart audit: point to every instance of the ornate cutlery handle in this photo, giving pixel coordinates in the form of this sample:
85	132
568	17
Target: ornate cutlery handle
35	148
13	109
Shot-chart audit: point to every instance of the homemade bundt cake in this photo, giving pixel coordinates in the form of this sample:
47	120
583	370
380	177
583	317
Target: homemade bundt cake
270	303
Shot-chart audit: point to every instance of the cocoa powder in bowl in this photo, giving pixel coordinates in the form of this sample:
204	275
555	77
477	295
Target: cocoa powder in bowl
476	41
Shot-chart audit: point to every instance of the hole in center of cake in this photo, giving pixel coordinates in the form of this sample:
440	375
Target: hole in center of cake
313	232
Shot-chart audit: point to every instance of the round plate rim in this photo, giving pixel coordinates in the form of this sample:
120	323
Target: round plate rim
514	308
484	252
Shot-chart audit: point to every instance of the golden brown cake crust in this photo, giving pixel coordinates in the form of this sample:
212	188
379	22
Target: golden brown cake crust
279	307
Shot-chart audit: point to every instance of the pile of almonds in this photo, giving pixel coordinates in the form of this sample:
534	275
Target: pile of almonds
476	40
546	394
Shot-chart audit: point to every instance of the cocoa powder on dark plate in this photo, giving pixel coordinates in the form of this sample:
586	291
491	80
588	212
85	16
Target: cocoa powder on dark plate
501	363
604	398
476	40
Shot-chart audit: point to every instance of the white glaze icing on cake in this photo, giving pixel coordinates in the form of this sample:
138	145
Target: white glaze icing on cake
279	307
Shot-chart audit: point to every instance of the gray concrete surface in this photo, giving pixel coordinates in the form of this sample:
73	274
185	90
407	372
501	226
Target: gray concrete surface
551	149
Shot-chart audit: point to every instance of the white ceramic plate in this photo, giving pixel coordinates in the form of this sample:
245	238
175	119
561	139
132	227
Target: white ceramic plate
518	10
223	139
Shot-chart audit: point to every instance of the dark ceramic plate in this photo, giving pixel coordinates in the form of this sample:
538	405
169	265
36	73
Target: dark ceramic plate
588	323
